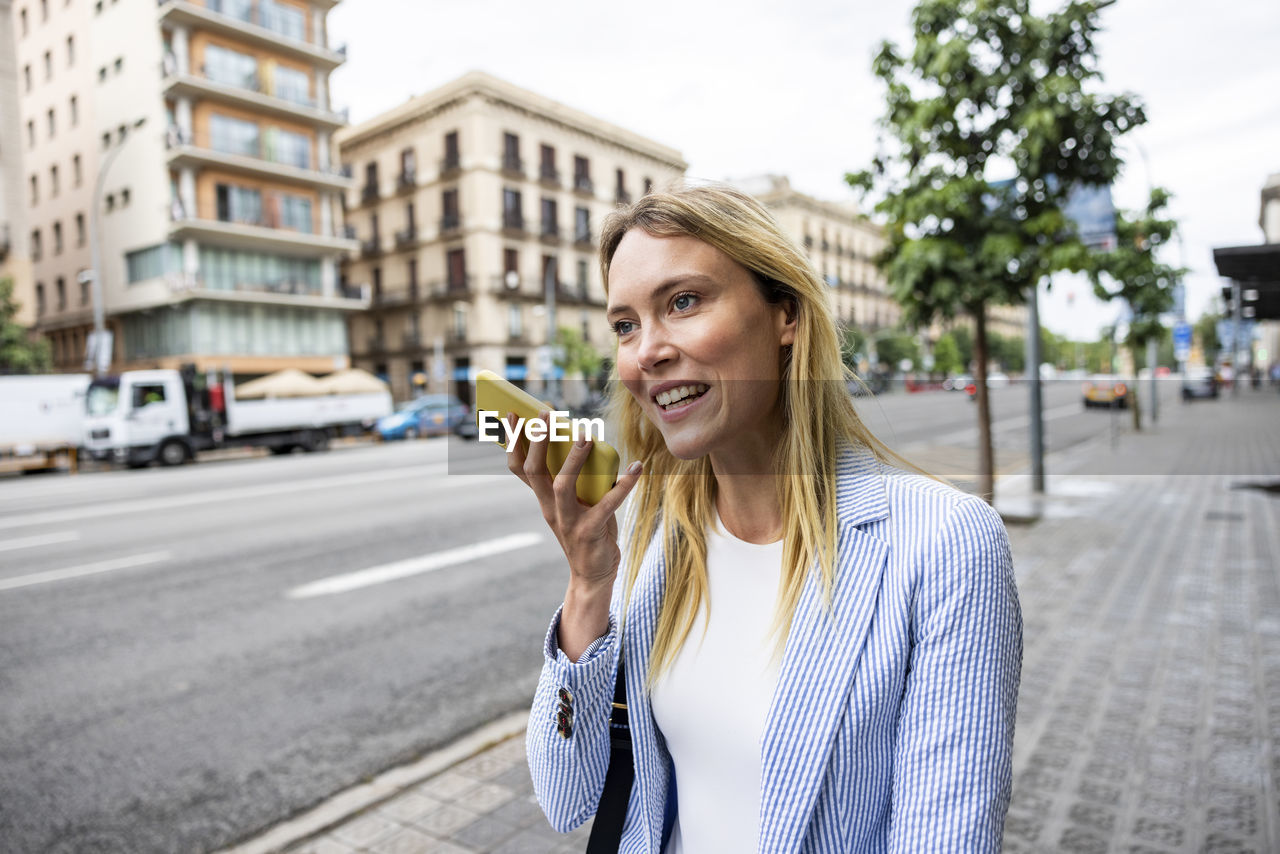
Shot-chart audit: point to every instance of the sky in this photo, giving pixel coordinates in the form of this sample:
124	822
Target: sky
786	88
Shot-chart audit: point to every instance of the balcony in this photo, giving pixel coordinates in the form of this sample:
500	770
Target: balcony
254	157
406	180
513	167
256	26
406	237
513	224
457	288
349	232
621	197
582	237
374	346
450	223
268	232
248	93
549	177
550	232
458	335
368	193
450	165
411	341
582	184
392	299
283	291
371	248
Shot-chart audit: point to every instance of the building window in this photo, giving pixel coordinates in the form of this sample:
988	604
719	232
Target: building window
76	172
233	136
376	274
581	174
511	154
102	74
452	158
460	322
292	85
75	111
57	238
550	277
452	215
550	218
119	64
40	307
111	202
79	229
36	252
53	124
44	10
53	181
31	133
515	320
511	268
84	288
60	288
295	213
48	65
106	141
512	209
26	75
547	165
35	190
124	198
285	20
71	51
620	194
237	204
648	186
581	225
231	67
456	265
408	168
22	15
582	277
291	149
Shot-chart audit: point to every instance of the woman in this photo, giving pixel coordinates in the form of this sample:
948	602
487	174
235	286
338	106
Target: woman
821	652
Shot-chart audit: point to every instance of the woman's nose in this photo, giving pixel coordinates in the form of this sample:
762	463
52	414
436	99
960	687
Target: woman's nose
655	348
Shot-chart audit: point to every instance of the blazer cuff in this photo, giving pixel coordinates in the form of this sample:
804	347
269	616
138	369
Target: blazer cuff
598	648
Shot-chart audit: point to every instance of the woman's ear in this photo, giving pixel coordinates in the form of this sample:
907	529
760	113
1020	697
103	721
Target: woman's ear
787	322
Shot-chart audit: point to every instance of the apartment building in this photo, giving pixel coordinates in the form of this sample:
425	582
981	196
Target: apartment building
192	138
15	259
478	210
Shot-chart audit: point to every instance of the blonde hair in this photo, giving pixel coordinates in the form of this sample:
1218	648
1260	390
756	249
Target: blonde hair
817	409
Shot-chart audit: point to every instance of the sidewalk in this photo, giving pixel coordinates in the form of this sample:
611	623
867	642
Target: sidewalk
1149	713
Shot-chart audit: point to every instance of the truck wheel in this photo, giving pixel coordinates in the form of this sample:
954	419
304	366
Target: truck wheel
313	440
172	453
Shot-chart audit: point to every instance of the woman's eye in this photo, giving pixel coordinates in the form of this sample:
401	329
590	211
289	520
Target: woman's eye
622	327
683	302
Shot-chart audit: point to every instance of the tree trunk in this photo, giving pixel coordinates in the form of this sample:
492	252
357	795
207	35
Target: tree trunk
1132	394
986	459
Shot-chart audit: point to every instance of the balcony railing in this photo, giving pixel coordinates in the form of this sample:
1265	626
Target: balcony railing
180	283
270	150
411	341
374	345
450	165
513	166
513	222
369	193
450	288
621	197
549	176
407	180
582	184
582	237
270	16
550	232
450	223
371	247
407	236
349	232
249	83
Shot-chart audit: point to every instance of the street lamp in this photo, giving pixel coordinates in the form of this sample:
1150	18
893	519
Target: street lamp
98	355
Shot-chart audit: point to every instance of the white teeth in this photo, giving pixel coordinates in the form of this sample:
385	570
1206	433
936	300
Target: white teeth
675	395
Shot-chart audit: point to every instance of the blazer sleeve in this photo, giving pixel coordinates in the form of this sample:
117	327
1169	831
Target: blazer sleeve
567	741
953	755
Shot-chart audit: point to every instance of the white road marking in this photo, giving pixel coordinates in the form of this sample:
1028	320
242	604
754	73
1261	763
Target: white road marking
38	540
413	566
147	505
82	570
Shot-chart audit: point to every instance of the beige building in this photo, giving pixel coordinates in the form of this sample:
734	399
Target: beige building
478	212
200	131
15	258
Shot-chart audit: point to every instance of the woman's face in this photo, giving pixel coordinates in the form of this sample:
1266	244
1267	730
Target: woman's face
698	347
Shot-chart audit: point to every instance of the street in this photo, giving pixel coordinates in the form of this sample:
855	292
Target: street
191	655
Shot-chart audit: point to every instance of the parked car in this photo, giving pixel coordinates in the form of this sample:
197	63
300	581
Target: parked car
1199	382
429	415
959	382
1106	390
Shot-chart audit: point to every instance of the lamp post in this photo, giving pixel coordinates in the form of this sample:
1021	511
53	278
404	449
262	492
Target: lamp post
98	357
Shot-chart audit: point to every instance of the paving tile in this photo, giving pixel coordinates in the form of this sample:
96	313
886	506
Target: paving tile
448	786
409	807
443	821
484	833
406	840
365	830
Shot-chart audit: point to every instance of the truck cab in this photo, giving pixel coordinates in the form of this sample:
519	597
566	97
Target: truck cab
138	417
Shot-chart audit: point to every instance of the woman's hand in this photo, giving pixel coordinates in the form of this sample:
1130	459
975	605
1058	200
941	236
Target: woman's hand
588	535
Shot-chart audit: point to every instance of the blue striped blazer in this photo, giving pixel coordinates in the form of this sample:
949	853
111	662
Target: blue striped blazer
891	728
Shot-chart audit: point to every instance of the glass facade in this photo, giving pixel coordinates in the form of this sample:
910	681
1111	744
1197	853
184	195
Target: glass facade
285	20
228	66
153	261
235	270
291	85
233	136
295	213
221	329
292	149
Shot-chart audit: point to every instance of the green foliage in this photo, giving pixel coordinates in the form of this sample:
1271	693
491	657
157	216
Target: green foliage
1132	271
19	353
893	348
576	355
946	355
1206	329
963	336
853	346
1009	351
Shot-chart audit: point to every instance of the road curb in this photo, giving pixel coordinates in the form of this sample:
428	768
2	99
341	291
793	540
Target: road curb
345	805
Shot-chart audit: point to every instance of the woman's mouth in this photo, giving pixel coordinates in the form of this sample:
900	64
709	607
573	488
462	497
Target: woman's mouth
674	398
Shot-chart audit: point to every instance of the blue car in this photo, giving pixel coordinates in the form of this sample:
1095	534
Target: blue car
429	415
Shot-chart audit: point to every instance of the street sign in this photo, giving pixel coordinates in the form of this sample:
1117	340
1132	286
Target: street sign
1181	341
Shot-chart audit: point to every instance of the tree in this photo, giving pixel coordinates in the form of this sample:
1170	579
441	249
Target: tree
853	347
946	355
893	348
19	353
1132	272
989	85
576	356
1206	330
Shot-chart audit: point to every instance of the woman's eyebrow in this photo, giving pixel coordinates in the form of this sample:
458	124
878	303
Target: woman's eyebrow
665	288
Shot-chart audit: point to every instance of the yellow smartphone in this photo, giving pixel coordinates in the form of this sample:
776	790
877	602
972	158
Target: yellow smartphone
495	397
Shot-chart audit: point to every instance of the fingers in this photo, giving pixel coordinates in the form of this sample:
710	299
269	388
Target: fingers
613	498
515	454
566	482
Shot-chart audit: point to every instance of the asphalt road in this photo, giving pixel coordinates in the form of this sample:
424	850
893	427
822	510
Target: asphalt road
190	655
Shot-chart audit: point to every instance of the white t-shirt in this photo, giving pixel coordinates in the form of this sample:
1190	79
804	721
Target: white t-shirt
712	703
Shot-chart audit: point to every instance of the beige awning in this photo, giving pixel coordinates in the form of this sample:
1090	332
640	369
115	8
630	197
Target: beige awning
352	381
287	383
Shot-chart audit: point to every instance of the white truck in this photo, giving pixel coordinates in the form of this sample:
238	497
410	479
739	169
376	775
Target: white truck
41	420
166	416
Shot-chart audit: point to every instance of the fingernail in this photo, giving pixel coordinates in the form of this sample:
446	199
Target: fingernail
635	467
581	443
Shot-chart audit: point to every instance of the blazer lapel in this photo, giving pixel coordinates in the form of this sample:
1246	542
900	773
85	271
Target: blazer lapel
822	653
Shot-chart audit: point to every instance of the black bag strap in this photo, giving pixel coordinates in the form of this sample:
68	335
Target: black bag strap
611	813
